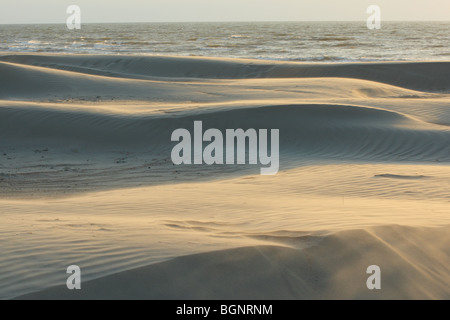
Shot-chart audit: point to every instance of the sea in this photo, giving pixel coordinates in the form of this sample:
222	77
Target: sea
284	41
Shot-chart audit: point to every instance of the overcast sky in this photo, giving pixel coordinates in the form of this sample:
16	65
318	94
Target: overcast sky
54	11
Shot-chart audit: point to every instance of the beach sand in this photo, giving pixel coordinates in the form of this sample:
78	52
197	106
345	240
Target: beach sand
86	179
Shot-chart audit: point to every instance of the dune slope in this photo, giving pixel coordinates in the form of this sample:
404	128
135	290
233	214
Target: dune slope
413	265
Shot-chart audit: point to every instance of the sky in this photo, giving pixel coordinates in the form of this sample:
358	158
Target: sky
54	11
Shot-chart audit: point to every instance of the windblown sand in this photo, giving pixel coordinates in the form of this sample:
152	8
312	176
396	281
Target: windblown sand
86	178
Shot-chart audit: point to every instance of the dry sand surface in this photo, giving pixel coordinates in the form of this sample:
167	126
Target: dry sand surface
86	178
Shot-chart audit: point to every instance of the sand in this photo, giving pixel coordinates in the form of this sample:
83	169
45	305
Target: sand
86	178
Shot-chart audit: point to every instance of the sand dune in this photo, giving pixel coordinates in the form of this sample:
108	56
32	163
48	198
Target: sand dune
300	122
86	177
426	76
413	265
140	146
120	124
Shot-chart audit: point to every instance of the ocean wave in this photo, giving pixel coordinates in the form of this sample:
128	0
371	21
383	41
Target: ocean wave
315	42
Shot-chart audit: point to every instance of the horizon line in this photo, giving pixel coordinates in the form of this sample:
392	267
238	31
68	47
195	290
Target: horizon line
224	21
